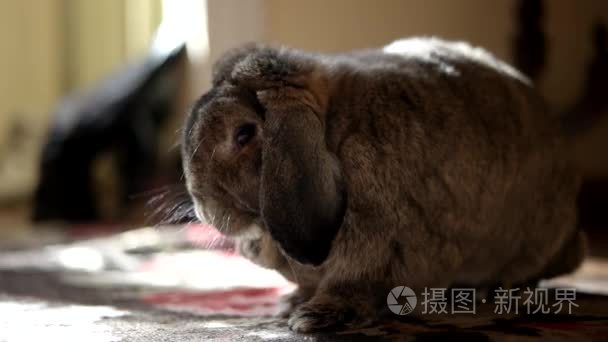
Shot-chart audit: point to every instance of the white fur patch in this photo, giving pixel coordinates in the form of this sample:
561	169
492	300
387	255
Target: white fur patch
430	48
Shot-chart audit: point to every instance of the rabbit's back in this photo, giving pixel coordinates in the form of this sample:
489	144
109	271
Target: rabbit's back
439	141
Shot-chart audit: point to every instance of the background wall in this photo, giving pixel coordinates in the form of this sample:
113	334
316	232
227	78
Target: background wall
101	35
31	81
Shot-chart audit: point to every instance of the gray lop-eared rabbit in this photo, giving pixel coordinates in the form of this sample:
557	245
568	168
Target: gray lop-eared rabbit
426	164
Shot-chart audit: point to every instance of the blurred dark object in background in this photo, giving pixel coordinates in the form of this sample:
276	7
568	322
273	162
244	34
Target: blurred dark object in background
592	108
590	111
121	117
530	45
592	205
593	102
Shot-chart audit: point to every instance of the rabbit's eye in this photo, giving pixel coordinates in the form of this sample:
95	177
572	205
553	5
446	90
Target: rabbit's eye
244	134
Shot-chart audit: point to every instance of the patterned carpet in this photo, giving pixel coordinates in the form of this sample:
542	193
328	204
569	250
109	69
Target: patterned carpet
186	284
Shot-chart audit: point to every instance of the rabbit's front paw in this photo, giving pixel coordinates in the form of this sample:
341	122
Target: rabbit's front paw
293	300
261	250
250	248
325	315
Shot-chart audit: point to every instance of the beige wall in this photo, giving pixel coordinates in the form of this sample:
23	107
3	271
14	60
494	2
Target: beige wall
30	82
102	35
95	42
30	77
350	24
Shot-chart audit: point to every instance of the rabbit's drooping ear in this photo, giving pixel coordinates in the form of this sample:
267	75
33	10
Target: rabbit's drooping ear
302	197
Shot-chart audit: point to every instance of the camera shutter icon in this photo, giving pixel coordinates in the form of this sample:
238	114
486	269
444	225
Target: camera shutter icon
401	300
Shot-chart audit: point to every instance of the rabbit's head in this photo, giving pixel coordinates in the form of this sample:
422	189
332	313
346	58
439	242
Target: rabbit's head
254	154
